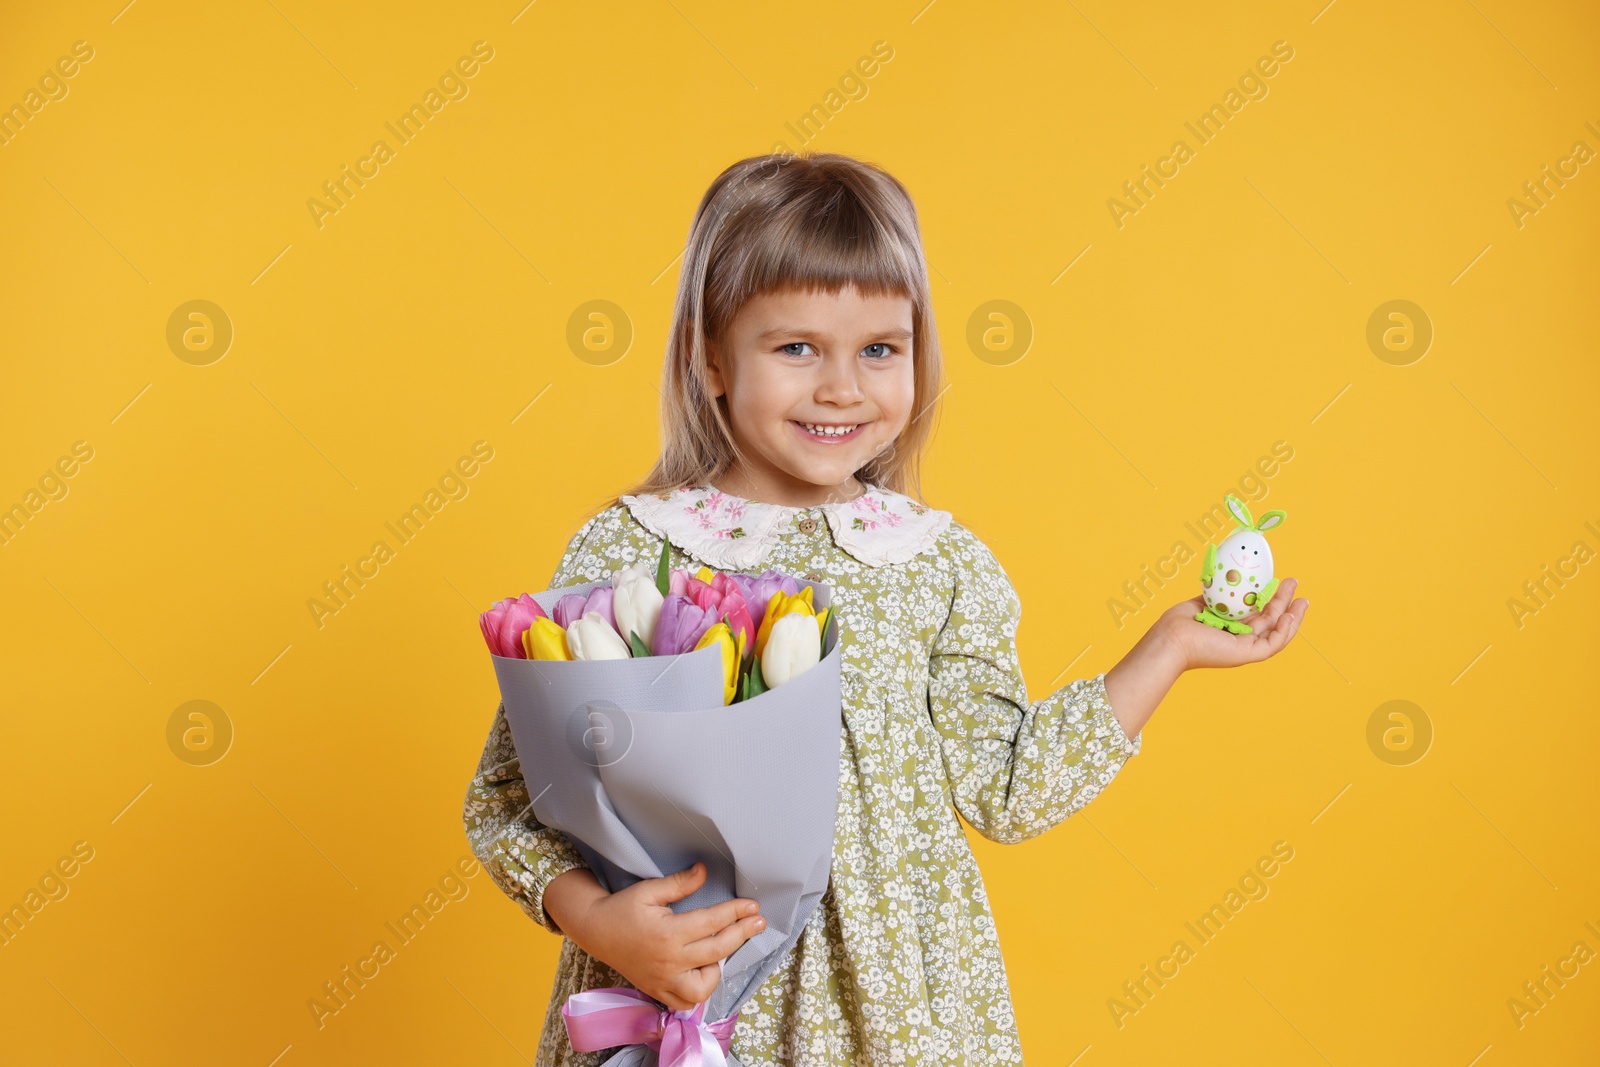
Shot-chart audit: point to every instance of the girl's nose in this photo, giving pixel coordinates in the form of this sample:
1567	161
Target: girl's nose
840	383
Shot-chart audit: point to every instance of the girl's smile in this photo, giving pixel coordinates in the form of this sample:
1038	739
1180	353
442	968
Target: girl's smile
827	433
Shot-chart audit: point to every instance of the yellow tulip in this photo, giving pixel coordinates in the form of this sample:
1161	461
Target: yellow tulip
705	574
720	635
780	605
545	640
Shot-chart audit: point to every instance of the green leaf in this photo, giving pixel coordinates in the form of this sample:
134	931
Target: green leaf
664	568
637	645
758	684
830	634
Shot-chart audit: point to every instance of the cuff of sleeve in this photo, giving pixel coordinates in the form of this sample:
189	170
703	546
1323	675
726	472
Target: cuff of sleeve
1102	707
560	864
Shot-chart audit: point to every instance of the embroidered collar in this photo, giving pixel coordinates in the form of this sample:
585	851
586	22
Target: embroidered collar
734	534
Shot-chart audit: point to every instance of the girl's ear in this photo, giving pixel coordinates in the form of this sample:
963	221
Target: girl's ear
1240	513
714	382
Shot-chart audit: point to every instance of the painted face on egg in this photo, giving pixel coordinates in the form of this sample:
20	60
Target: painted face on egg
1244	567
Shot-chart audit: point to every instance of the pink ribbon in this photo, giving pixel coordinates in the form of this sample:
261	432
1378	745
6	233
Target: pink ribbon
618	1015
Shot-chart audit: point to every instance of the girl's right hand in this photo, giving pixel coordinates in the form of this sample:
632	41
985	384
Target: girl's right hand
672	957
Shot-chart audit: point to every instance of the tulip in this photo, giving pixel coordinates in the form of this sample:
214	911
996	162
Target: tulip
593	637
574	606
504	623
677	580
680	626
718	634
722	596
793	646
782	604
636	603
758	590
545	640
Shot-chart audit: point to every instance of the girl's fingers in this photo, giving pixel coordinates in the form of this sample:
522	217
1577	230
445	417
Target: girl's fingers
697	985
1290	587
703	922
1275	626
675	998
670	887
1288	625
1280	600
1273	609
721	945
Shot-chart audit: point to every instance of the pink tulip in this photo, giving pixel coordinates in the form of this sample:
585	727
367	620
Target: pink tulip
504	623
725	600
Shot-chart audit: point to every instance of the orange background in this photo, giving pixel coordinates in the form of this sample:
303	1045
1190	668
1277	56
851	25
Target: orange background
1136	373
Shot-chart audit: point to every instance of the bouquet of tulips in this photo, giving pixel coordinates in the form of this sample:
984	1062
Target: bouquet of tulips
666	718
670	612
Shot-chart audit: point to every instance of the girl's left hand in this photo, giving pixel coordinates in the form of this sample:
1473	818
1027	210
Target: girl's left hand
1207	646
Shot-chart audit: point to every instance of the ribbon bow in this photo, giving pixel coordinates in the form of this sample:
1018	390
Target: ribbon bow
617	1015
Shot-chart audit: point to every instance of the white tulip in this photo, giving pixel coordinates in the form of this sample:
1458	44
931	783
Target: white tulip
592	637
793	646
636	602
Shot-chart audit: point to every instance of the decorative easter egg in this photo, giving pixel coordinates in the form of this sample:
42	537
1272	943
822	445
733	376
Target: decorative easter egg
1237	581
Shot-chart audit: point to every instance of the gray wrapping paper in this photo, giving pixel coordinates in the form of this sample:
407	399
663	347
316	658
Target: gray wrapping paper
640	763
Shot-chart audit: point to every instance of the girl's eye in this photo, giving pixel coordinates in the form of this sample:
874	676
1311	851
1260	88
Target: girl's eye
887	349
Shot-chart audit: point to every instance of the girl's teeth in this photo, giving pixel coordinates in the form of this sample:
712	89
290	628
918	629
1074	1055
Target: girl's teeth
828	431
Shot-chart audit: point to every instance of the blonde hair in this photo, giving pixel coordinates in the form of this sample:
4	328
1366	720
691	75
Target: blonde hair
773	222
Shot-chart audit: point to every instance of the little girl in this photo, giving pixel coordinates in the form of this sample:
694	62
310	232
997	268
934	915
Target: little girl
801	371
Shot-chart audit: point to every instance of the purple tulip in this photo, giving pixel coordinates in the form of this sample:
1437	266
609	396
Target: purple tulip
680	626
567	609
758	590
572	607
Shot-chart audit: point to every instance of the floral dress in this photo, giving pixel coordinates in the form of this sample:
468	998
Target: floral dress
900	963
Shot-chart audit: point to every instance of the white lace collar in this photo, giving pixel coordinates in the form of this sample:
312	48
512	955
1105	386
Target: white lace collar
734	534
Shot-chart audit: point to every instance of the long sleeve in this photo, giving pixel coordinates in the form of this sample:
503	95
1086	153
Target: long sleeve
1016	767
521	854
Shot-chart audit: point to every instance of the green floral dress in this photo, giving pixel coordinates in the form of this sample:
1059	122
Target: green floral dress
900	962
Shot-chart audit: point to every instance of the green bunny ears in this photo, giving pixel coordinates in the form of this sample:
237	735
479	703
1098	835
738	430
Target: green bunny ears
1242	514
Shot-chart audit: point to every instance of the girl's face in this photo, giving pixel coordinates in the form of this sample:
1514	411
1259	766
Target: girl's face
818	385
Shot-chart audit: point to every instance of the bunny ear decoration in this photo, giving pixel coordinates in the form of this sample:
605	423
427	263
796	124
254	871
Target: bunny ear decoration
1271	519
1237	509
